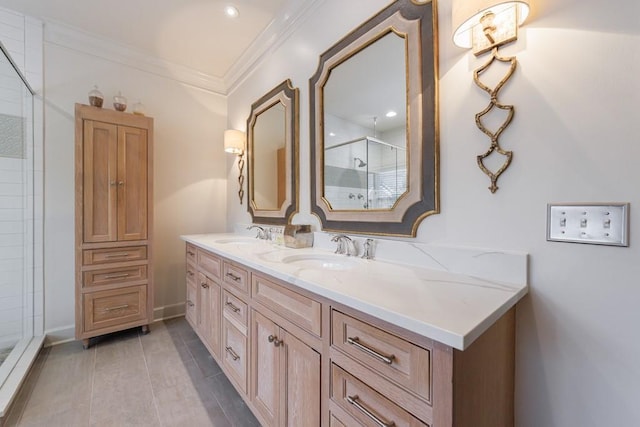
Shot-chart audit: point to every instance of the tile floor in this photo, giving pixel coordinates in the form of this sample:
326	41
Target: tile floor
165	378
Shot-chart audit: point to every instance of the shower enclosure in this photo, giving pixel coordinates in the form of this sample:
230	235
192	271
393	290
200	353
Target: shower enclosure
364	173
17	197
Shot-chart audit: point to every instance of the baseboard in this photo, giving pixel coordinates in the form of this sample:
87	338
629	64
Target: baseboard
168	312
59	335
67	333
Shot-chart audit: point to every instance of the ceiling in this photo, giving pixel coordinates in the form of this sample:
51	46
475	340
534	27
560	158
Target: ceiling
192	33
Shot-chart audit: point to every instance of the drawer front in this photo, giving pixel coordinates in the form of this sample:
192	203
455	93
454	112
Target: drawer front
400	361
191	274
114	276
234	308
190	253
192	300
299	309
209	263
234	354
104	309
112	255
236	276
365	404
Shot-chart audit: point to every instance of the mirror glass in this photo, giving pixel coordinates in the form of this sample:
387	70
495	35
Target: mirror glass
374	135
272	155
269	147
365	136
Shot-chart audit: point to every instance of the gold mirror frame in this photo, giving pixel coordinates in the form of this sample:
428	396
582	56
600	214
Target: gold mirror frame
416	22
286	95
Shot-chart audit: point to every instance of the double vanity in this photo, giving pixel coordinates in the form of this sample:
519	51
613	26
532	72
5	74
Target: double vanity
308	337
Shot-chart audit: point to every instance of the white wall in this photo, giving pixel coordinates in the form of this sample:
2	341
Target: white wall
189	169
575	138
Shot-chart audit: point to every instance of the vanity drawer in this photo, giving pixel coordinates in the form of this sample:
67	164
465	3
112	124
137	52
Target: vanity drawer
234	307
299	309
236	276
114	275
104	309
210	264
112	255
365	404
191	304
234	353
392	357
190	252
191	274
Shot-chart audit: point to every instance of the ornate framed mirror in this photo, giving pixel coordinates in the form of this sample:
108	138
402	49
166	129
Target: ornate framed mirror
272	155
374	124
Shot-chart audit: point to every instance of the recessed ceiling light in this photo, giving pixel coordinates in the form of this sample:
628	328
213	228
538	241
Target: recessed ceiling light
391	114
231	11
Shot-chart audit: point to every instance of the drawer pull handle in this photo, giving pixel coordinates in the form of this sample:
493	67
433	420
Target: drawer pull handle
189	303
354	401
118	255
232	353
234	277
371	352
275	340
191	253
118	307
204	285
232	307
117	276
190	273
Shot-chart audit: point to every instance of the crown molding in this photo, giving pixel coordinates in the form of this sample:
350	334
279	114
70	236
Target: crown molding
90	44
288	19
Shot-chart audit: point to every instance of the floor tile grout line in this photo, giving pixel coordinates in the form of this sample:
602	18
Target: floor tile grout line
146	367
93	381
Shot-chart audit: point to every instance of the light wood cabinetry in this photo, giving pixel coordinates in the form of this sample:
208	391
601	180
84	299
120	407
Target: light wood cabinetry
299	359
209	313
114	213
286	380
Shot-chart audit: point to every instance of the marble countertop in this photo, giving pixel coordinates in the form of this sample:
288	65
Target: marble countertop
427	298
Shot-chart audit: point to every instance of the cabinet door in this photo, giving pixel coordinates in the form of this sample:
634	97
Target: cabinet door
209	321
132	183
100	148
192	301
302	382
265	383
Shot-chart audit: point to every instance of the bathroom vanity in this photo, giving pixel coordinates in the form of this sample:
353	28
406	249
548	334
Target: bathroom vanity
312	338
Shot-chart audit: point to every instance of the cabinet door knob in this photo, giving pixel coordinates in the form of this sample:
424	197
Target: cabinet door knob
273	339
204	285
120	182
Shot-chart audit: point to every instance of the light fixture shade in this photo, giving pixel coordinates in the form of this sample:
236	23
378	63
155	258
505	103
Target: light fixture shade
466	14
234	141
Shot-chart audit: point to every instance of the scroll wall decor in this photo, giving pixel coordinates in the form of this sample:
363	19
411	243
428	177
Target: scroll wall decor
485	25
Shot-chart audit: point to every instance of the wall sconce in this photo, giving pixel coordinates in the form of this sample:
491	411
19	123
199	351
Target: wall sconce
485	25
234	143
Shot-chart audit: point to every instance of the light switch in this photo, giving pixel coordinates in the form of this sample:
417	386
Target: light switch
593	223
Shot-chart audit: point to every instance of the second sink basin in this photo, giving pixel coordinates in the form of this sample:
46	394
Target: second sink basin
321	261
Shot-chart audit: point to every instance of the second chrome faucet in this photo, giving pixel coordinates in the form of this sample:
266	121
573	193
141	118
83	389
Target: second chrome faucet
346	246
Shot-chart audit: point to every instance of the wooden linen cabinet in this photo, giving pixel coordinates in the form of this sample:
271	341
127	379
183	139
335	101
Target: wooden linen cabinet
114	211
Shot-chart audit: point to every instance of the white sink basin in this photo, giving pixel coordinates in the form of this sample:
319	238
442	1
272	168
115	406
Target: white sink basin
237	240
321	261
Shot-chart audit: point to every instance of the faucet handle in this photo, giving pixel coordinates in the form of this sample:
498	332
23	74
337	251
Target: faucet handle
368	249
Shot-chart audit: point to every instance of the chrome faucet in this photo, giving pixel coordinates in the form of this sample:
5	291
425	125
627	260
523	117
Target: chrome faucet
263	233
346	246
368	249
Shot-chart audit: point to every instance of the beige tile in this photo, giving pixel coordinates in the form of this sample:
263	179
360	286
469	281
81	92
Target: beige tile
167	369
183	406
76	416
63	386
122	395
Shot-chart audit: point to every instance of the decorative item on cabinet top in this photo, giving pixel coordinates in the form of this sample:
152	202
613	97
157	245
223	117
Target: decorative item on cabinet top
374	125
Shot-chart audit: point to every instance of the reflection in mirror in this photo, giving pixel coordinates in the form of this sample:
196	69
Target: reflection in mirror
269	170
365	137
374	136
272	144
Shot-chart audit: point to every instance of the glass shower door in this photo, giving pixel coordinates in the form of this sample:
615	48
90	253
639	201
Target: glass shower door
16	215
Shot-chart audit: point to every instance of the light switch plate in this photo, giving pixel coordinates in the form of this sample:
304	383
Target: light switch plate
592	223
